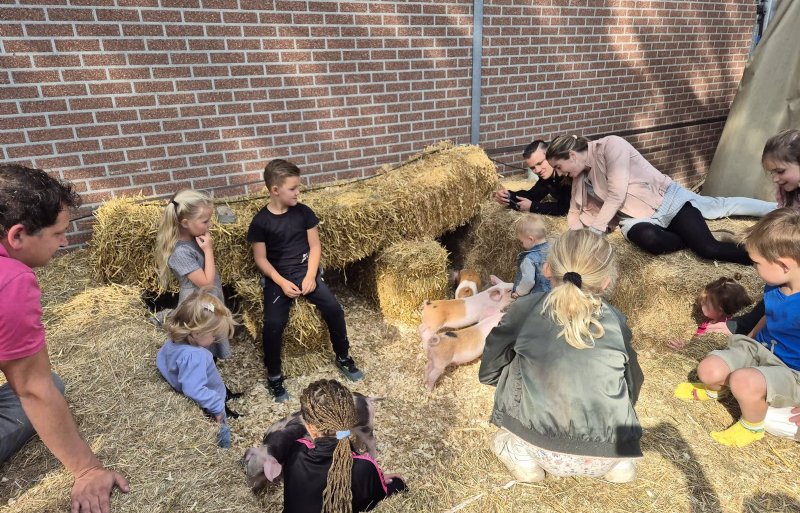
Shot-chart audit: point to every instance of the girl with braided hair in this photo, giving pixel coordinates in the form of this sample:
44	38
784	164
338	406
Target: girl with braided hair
325	474
566	374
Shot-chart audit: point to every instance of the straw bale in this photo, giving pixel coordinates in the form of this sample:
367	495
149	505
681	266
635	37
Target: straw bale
123	242
656	293
402	276
305	331
433	192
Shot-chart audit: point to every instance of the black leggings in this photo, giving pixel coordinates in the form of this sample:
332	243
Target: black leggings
688	229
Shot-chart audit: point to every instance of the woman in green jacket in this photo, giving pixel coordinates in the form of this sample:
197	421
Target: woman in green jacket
567	377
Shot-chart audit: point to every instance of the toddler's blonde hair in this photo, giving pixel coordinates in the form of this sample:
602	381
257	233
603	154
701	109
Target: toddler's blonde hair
200	313
530	225
186	204
577	309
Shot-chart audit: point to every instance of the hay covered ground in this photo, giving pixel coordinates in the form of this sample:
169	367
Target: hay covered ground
102	344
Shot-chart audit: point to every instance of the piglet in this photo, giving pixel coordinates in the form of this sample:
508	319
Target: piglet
457	347
265	462
458	313
468	283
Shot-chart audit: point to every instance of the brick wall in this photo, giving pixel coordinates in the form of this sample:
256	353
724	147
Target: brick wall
149	96
613	66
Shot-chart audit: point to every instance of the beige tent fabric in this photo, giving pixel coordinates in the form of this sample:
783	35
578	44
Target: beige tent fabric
768	101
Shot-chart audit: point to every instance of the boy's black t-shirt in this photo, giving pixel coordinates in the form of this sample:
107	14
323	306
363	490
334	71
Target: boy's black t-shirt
286	237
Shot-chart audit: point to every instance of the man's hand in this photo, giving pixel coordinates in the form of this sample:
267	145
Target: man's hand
501	197
92	490
309	285
523	204
290	289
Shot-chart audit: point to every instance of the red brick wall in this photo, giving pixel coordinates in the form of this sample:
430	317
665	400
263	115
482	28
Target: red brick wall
613	66
150	96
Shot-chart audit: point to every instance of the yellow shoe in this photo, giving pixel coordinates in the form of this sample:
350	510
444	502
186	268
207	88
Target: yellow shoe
694	392
737	436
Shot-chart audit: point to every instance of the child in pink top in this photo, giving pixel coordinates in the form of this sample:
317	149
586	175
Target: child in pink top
718	301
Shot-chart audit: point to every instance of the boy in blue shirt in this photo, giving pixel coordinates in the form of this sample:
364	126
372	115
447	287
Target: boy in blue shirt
285	239
762	369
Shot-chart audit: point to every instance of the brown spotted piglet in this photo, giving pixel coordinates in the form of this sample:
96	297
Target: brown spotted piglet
459	313
457	347
468	283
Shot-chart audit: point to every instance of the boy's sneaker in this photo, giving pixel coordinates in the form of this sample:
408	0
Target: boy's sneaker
275	386
348	367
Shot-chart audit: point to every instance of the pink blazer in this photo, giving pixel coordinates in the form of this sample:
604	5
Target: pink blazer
623	181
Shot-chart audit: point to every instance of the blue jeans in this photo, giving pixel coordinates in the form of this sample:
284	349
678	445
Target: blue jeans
15	428
717	208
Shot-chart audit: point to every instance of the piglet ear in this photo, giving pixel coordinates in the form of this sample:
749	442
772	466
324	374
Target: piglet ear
494	280
496	295
272	469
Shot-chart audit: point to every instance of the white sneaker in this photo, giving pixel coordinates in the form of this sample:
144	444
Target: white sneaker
514	455
622	472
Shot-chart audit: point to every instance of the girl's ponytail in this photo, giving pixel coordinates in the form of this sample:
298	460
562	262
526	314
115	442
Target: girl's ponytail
328	406
582	265
186	204
166	238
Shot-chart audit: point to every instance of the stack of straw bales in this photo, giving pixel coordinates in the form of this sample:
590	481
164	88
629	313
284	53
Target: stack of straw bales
402	276
656	293
433	192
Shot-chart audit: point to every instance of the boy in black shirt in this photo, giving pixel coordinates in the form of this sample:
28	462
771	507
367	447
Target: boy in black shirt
287	250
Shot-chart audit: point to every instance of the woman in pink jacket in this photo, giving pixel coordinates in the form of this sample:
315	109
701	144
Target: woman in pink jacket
612	182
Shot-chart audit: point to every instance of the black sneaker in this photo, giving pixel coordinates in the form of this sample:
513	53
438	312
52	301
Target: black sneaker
275	386
348	367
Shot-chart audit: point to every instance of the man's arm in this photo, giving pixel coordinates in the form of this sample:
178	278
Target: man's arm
536	193
47	410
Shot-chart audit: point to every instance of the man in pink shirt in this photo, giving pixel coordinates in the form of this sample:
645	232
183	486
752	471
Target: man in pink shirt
34	217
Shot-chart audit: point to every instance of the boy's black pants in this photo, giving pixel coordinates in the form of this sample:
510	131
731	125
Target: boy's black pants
276	315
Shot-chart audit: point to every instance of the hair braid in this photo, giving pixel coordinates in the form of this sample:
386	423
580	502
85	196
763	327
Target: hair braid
328	406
